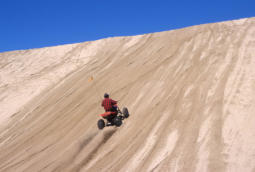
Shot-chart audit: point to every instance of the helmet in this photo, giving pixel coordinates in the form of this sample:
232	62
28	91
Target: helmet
106	95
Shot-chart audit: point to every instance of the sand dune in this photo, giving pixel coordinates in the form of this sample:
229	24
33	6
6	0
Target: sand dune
191	94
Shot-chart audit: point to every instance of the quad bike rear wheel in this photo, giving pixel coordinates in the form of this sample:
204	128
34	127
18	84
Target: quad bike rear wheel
100	124
117	121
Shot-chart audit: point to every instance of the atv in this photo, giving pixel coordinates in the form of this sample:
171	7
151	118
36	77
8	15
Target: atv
113	118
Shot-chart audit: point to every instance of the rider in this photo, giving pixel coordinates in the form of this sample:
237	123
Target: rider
109	106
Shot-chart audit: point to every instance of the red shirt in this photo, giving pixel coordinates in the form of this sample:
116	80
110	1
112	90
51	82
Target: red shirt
107	103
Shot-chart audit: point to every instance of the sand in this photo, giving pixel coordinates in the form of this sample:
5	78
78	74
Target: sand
190	92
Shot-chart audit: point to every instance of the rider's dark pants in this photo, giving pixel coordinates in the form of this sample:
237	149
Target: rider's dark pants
112	116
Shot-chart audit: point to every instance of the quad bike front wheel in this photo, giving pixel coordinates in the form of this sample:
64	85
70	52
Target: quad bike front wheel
100	124
125	112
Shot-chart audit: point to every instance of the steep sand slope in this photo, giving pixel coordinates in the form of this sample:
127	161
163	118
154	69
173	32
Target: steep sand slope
191	94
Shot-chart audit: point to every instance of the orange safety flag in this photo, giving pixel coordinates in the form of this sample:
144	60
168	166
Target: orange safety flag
91	79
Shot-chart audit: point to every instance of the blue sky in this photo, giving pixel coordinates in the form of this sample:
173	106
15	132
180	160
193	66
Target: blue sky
26	24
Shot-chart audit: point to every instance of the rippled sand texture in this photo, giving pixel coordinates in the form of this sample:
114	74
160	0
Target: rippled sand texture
191	94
